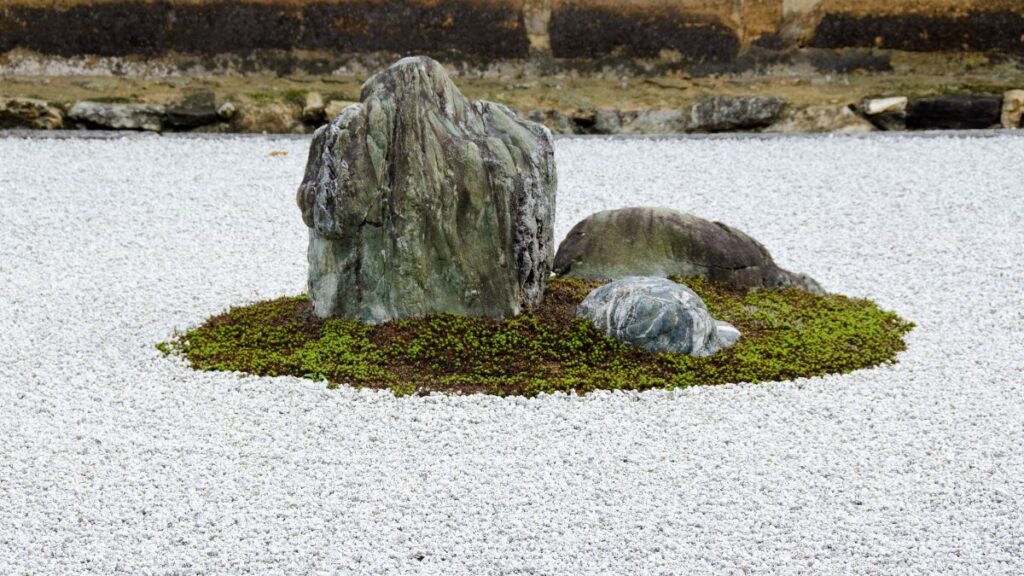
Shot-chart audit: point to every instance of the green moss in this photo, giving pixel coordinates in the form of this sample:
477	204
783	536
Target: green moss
291	96
295	96
113	99
263	97
787	333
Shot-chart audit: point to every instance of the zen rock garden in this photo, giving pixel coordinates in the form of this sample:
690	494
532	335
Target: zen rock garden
432	266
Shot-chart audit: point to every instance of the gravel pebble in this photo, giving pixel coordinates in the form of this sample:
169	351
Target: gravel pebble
116	460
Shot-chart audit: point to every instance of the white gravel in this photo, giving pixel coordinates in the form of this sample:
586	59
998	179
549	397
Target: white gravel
116	460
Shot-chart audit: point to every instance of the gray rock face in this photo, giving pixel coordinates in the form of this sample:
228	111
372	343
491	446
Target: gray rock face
827	118
662	242
194	110
607	121
889	121
271	117
655	121
118	116
419	201
29	113
657	315
735	113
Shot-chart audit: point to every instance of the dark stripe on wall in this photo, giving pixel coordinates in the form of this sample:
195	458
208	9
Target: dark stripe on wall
580	32
127	28
472	28
999	31
231	27
103	29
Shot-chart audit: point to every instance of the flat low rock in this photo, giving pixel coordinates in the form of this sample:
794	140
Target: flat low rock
889	121
29	113
271	117
658	315
644	241
656	121
828	118
955	112
192	111
419	201
889	105
722	113
652	121
118	116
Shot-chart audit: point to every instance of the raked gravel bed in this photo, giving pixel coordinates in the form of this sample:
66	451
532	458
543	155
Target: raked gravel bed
117	460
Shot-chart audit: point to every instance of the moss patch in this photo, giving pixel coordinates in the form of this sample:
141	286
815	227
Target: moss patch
787	333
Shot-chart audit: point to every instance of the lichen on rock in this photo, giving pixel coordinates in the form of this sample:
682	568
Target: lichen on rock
29	113
420	201
118	116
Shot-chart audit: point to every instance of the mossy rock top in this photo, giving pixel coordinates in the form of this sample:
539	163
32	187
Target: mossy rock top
787	333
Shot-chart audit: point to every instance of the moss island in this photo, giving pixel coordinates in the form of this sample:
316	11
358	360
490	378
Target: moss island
787	333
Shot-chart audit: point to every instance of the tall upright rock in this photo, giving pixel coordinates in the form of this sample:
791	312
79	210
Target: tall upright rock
419	201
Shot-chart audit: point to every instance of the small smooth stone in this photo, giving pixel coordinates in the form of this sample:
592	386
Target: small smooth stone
658	315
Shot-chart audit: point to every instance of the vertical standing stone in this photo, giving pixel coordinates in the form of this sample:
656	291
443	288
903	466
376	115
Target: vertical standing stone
419	201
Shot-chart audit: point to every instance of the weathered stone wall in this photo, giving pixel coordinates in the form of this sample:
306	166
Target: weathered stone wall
692	30
485	28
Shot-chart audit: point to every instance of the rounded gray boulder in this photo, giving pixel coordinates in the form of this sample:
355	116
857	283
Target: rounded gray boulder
644	241
658	315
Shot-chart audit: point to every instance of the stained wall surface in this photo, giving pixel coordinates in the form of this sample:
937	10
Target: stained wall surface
695	30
